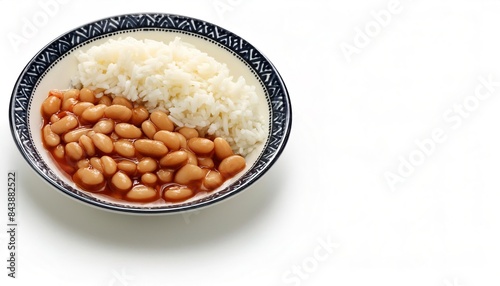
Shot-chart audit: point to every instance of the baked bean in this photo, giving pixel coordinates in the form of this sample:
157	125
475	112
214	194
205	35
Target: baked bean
84	163
104	126
174	160
127	167
57	93
80	107
147	164
222	148
65	124
51	105
50	138
201	146
75	134
118	112
192	159
151	148
121	182
149	179
96	164
213	180
129	131
141	193
59	151
94	113
177	193
231	166
188	132
74	151
182	140
205	171
87	145
86	95
119	100
165	175
139	115
71	93
68	104
109	167
62	114
161	120
89	177
188	174
105	99
170	139
149	129
206	162
54	118
102	142
125	148
180	162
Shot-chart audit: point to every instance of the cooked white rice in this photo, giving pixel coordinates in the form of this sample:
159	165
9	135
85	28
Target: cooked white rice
193	87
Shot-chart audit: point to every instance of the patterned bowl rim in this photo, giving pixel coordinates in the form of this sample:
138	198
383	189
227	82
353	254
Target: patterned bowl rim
268	76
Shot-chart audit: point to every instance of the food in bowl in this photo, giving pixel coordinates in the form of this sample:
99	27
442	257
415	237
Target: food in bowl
54	65
148	121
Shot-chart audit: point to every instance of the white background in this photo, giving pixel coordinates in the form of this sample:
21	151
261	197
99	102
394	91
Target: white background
354	119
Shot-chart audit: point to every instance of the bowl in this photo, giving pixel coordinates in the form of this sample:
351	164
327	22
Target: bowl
55	64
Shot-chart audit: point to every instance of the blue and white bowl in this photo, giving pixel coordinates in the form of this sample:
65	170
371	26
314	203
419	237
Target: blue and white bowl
55	65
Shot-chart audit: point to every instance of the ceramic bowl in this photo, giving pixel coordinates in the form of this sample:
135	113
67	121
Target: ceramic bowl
55	64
